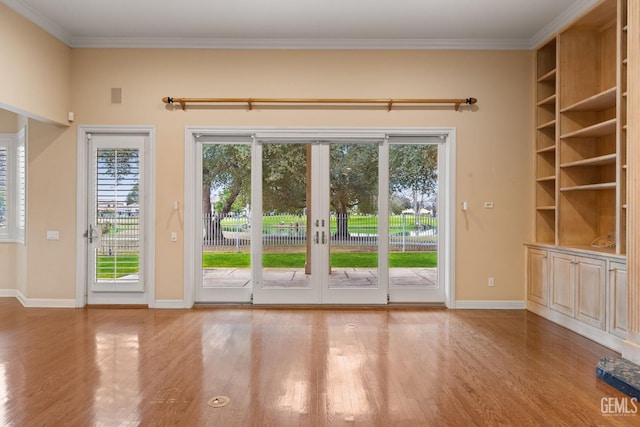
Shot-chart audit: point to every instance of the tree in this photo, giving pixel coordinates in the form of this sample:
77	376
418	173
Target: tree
354	182
284	178
414	168
133	196
226	167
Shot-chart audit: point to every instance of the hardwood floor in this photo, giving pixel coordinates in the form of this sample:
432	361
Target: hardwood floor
296	367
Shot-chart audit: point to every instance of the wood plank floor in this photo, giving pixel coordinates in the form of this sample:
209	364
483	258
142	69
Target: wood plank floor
296	367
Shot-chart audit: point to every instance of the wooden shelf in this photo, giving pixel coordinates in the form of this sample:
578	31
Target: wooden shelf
550	100
546	178
546	208
607	159
549	76
597	102
549	149
548	125
601	186
607	127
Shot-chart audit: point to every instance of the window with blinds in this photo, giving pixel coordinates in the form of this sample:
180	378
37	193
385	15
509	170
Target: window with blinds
12	187
117	213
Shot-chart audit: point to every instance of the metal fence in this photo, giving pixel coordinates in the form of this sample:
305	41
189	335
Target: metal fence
118	235
407	232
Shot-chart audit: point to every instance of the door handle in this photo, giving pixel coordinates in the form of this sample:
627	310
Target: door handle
91	233
317	238
324	238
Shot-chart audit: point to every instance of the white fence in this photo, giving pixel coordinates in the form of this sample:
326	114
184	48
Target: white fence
407	232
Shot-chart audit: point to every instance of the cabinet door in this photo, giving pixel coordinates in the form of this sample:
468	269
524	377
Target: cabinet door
590	291
618	299
562	283
538	276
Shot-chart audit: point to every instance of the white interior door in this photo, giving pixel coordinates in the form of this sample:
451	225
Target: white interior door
116	233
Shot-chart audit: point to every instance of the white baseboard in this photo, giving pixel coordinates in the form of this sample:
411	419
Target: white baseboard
170	304
8	293
491	305
45	302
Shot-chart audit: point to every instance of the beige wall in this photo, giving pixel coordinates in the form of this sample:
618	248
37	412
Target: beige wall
35	75
51	205
494	161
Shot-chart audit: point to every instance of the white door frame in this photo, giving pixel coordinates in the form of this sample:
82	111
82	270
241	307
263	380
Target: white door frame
448	135
81	210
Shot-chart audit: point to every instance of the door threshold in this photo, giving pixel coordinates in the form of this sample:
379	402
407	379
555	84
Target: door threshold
117	306
390	306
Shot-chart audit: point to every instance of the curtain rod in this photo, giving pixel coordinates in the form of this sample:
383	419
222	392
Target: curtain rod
388	102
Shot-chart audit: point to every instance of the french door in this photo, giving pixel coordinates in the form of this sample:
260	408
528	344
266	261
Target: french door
318	218
327	181
116	225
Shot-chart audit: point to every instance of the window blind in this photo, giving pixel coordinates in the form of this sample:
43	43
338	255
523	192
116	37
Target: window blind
4	160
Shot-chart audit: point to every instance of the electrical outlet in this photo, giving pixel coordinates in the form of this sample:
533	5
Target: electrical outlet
491	282
488	205
174	236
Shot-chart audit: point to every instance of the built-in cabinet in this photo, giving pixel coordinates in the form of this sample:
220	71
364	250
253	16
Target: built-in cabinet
580	147
576	268
585	292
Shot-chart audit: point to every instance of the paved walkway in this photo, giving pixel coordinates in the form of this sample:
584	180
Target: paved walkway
339	278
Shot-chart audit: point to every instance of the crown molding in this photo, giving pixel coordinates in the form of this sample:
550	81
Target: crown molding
41	21
311	44
578	8
574	11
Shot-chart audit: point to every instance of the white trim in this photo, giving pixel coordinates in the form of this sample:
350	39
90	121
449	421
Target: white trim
295	44
21	7
578	8
172	304
48	303
8	293
491	305
81	208
190	186
44	302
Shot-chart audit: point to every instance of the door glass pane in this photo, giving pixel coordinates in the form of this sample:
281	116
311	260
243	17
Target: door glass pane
354	216
117	215
413	208
285	249
226	229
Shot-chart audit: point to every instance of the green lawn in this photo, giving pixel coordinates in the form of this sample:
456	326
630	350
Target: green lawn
109	267
339	259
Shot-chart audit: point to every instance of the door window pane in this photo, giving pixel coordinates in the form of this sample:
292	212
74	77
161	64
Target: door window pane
117	214
354	215
226	225
413	208
285	248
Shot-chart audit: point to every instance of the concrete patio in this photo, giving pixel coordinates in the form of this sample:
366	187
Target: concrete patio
339	278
